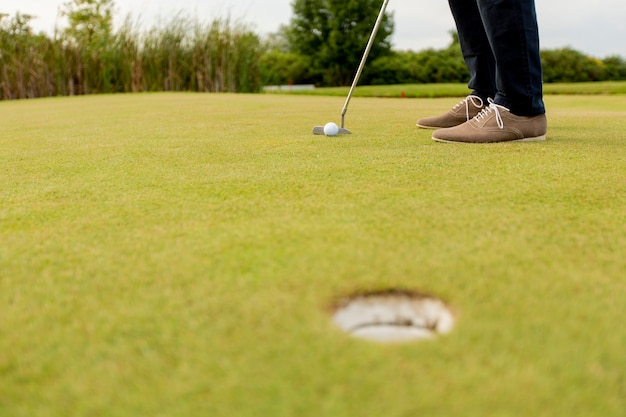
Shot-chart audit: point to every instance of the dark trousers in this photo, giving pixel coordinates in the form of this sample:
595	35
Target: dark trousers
500	44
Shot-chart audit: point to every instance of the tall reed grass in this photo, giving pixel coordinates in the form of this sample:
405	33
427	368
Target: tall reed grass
183	54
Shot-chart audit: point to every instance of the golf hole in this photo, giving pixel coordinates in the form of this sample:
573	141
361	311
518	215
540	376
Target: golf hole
393	316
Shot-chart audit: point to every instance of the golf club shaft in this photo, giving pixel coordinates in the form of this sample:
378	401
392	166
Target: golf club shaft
365	54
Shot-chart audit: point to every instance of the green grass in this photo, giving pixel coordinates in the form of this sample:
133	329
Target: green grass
177	254
457	90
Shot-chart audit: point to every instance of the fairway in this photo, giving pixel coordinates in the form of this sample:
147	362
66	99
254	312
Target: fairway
180	254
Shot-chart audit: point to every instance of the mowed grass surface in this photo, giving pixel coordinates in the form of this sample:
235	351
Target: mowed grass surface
178	254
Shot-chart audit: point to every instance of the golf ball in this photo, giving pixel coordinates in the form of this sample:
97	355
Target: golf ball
331	129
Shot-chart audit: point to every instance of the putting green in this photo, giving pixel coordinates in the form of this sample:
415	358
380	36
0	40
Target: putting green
179	254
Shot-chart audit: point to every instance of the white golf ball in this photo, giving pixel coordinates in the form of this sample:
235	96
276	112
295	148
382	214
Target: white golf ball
331	129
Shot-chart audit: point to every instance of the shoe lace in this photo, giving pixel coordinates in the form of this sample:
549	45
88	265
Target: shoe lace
495	108
475	100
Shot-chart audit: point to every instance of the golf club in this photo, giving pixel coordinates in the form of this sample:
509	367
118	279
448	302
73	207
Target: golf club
319	130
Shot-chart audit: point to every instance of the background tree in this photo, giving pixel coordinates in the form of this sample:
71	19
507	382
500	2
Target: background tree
89	34
89	20
332	34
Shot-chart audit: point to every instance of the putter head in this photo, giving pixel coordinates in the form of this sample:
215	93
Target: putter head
319	130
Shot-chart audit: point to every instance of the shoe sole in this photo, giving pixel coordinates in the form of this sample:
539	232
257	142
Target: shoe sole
428	127
533	139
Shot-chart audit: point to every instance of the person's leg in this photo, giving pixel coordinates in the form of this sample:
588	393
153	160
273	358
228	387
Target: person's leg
475	47
480	63
511	27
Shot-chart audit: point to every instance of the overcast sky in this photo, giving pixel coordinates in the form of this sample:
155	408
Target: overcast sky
597	28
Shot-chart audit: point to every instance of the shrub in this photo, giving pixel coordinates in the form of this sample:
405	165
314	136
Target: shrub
568	65
429	66
282	68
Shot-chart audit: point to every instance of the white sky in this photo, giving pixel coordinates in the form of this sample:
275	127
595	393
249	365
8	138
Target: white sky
597	28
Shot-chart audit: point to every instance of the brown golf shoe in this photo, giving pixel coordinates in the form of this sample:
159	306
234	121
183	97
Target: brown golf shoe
495	124
460	113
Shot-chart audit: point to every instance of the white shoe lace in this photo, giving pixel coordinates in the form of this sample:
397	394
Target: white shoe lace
475	100
493	107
